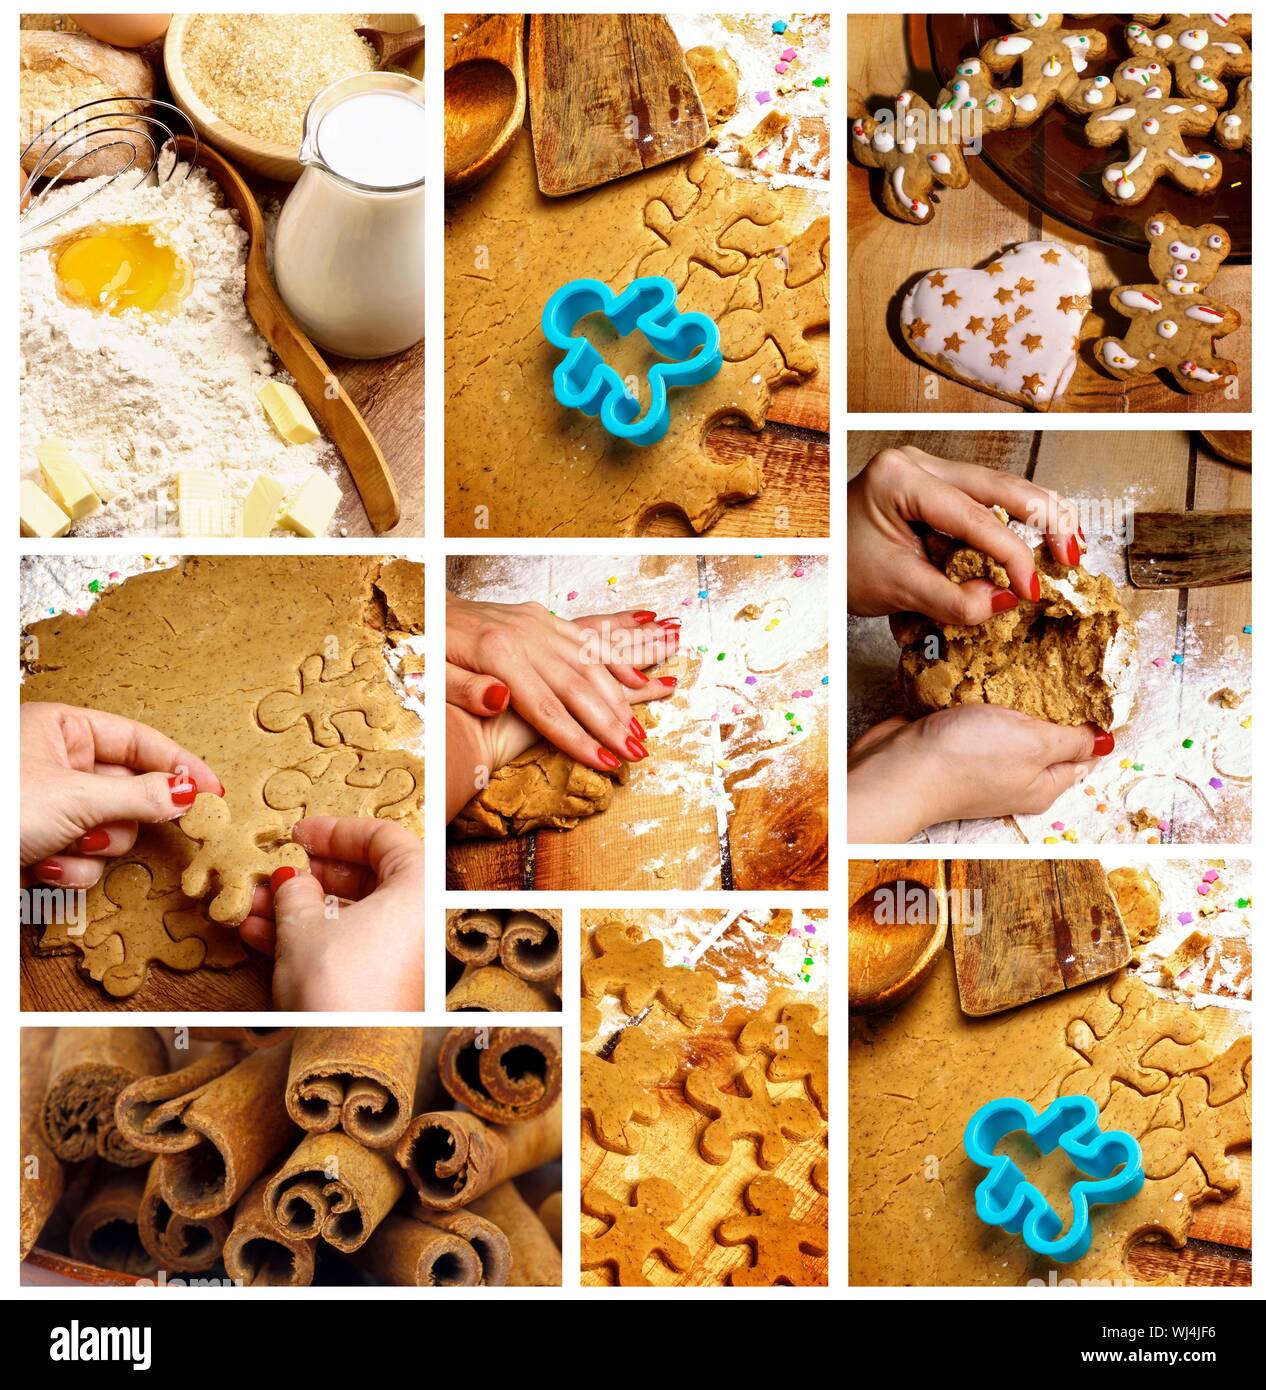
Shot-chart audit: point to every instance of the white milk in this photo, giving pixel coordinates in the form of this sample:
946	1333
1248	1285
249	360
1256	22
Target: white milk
376	138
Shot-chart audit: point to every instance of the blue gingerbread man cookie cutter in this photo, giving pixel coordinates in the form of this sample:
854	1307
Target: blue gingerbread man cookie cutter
583	381
1005	1197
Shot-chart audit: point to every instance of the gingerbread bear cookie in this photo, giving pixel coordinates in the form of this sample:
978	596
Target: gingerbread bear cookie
618	1095
238	855
1153	124
1200	48
915	155
1173	324
778	1241
636	1232
971	101
749	1112
1011	329
1053	61
1235	127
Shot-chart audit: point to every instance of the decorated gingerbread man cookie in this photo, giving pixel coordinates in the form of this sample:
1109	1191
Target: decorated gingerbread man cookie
636	1232
914	153
1173	324
1053	62
238	855
969	105
1153	125
779	1242
1235	127
1011	329
748	1112
1201	49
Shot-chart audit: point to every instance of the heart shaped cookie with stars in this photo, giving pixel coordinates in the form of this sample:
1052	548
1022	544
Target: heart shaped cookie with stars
1012	329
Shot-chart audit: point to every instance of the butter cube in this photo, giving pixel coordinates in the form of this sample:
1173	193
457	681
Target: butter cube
64	480
39	514
200	497
285	408
259	511
310	511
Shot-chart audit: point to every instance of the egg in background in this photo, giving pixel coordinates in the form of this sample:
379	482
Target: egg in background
124	30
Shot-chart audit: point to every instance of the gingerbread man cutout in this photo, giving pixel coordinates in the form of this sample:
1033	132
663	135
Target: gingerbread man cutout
618	1095
1153	124
1206	1133
915	154
338	784
636	1232
119	946
1235	127
793	301
1052	63
635	972
1173	324
778	1241
784	1031
234	854
749	1113
336	702
1200	49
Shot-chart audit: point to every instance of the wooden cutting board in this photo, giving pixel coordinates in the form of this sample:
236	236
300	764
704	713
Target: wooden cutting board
1026	928
1190	550
897	921
610	94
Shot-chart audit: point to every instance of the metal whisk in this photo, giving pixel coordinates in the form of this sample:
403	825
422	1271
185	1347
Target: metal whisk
82	133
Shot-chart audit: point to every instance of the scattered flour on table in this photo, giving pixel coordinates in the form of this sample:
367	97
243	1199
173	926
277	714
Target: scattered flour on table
139	398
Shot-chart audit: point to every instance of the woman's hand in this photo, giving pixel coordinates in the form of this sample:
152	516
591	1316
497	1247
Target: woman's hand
966	763
88	778
573	682
888	566
363	953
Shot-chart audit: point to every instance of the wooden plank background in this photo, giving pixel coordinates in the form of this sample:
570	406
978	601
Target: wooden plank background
971	224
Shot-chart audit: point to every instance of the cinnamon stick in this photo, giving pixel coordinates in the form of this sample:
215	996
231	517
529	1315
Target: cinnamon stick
42	1178
180	1243
105	1232
150	1112
88	1069
505	1075
535	1259
362	1079
488	1241
241	1123
334	1188
408	1252
451	1157
474	938
532	947
493	989
258	1255
551	1213
245	1037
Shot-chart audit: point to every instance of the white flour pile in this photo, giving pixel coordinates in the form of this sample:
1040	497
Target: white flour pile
139	398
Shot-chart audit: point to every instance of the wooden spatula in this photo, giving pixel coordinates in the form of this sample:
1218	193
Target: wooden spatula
896	928
1190	550
610	94
1026	928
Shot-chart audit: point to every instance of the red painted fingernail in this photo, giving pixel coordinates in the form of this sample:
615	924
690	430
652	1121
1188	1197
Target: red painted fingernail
638	678
183	790
280	876
496	697
1003	600
1081	535
643	615
1035	587
637	751
1104	743
608	759
670	622
669	681
1074	550
48	870
638	731
94	840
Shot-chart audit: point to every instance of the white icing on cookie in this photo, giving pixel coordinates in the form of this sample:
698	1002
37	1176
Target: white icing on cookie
1182	252
1122	113
1167	328
1202	313
913	205
1194	39
1027	102
1116	356
1012	45
1200	373
1203	160
1139	299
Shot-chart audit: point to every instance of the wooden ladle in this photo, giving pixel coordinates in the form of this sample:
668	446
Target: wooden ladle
485	98
394	50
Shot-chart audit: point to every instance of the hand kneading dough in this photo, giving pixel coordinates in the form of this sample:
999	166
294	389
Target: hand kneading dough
540	789
1068	658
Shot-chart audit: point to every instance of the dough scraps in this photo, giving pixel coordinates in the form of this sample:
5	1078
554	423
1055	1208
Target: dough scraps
1068	658
543	788
716	76
1138	897
517	462
193	650
917	1074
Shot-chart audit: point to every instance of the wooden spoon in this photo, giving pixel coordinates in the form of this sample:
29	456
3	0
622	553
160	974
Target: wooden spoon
394	50
485	98
891	954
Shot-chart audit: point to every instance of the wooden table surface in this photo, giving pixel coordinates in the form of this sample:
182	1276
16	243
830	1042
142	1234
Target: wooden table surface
776	834
971	224
670	1147
1158	470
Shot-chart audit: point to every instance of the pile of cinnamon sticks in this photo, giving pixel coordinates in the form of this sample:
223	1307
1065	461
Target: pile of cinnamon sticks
502	961
284	1157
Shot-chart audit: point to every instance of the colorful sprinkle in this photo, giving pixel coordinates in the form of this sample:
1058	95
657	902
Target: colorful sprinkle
1242	902
749	680
703	593
1248	628
1057	825
1102	807
1216	783
763	97
1050	839
826	680
94	586
788	55
1159	661
1125	762
819	81
1186	918
1070	836
780	68
1187	742
720	656
1138	767
779	26
1202	888
572	596
1179	658
1211	876
1162	826
1246	722
613	580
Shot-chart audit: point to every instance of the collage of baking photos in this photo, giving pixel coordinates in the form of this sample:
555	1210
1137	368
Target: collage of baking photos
436	621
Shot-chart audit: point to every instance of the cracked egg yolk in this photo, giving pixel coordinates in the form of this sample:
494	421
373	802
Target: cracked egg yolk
114	269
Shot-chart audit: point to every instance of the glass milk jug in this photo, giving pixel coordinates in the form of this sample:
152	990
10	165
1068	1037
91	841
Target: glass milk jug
348	255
